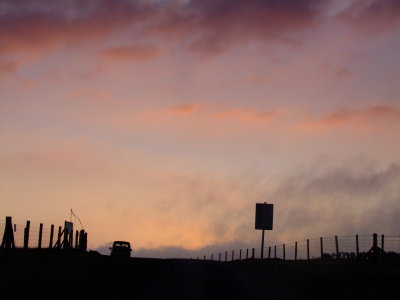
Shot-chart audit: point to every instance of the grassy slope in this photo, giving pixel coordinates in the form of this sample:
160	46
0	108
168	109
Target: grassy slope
55	275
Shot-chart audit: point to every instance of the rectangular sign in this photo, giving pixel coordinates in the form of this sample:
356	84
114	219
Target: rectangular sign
68	226
264	216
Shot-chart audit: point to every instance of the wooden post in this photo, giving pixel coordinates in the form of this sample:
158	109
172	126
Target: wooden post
275	251
219	256
40	236
85	242
308	249
226	256
76	239
374	240
212	256
240	254
204	257
284	252
337	246
357	246
247	253
71	238
233	254
383	242
322	247
51	236
269	252
59	237
295	251
252	253
8	236
26	234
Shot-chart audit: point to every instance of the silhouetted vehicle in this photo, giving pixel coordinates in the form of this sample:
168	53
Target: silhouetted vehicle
121	248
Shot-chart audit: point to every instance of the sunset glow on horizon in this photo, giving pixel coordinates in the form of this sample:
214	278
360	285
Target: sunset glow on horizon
163	122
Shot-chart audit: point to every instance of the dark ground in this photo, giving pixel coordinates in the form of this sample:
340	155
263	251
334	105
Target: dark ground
46	275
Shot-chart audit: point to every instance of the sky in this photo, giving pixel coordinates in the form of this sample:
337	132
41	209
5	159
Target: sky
163	122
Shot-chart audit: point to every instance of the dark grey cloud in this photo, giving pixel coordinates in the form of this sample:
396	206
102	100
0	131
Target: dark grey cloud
372	16
207	26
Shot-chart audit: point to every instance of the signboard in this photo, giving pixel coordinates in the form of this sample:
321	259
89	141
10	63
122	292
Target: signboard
264	216
68	226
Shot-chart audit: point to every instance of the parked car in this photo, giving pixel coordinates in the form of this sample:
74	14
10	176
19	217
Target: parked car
121	248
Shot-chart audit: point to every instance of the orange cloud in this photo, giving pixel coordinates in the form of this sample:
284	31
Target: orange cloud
245	114
184	109
344	116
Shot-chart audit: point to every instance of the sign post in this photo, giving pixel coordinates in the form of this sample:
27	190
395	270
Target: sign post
264	220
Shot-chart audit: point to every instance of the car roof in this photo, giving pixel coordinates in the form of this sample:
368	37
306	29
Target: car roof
121	242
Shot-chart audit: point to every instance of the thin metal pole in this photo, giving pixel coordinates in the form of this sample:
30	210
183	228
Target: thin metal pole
262	244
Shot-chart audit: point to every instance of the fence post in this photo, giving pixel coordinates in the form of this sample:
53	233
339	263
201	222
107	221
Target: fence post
8	236
252	253
71	238
269	252
275	251
233	254
322	246
26	234
59	237
212	256
308	249
204	257
51	236
247	253
226	256
40	236
240	254
219	256
295	251
383	242
357	246
284	252
337	246
76	239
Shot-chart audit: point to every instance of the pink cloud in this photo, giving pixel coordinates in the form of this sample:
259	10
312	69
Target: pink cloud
131	53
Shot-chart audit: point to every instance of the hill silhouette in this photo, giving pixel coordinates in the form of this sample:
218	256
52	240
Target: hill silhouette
46	274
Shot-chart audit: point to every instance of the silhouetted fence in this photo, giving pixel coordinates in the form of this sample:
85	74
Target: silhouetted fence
349	247
40	236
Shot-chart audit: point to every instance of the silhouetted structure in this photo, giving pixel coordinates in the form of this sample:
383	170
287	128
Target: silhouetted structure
8	236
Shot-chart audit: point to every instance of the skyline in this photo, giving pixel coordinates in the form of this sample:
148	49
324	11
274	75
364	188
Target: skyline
164	122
